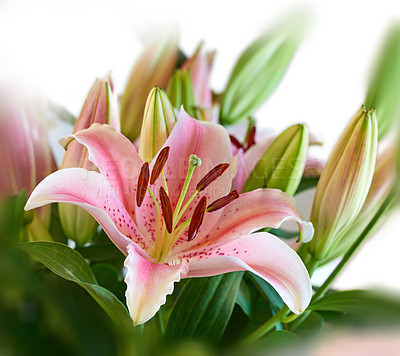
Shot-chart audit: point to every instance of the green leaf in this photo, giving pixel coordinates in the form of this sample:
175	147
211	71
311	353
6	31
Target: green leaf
204	307
106	275
280	338
258	72
384	89
282	165
243	297
366	304
70	265
276	302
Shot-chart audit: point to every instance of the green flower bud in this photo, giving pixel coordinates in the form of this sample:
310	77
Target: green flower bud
384	89
282	165
258	71
154	67
344	184
180	91
158	121
382	184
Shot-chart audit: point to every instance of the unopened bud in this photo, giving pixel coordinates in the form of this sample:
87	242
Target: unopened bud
199	66
344	183
99	107
282	165
180	91
258	71
158	121
153	67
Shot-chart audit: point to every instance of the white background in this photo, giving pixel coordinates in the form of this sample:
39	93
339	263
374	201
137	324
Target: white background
62	46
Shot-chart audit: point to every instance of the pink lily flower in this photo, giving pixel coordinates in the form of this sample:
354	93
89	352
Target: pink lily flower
175	218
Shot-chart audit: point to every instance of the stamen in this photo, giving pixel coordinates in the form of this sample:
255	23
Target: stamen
166	209
197	218
235	141
194	162
143	182
222	202
159	164
211	176
251	139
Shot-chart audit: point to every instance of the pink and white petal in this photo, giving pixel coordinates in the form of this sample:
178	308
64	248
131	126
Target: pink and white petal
250	212
116	158
91	191
263	254
148	284
211	143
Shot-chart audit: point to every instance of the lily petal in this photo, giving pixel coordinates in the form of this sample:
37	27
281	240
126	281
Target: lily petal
91	191
116	158
250	212
263	254
148	284
211	143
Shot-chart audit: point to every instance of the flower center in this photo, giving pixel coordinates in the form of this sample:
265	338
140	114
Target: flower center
169	225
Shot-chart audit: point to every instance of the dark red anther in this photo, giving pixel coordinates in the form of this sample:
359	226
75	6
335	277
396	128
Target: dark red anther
159	164
166	209
197	218
142	183
235	141
222	202
251	139
211	176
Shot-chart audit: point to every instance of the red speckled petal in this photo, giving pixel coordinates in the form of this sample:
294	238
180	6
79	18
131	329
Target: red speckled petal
116	158
261	253
250	212
148	284
91	191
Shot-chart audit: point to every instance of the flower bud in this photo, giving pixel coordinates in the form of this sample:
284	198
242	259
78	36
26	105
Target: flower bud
282	165
99	107
153	67
344	184
382	184
384	89
180	91
158	121
258	72
25	154
199	66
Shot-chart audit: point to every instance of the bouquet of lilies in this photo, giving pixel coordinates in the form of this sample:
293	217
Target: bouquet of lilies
164	232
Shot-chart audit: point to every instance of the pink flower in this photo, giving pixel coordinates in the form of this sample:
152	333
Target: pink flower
164	222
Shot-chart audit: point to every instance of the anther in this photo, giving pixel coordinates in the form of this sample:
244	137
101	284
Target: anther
251	139
197	218
235	141
166	209
143	182
211	176
159	164
222	202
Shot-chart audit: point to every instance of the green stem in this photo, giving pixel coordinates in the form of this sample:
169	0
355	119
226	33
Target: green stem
325	286
160	323
269	325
